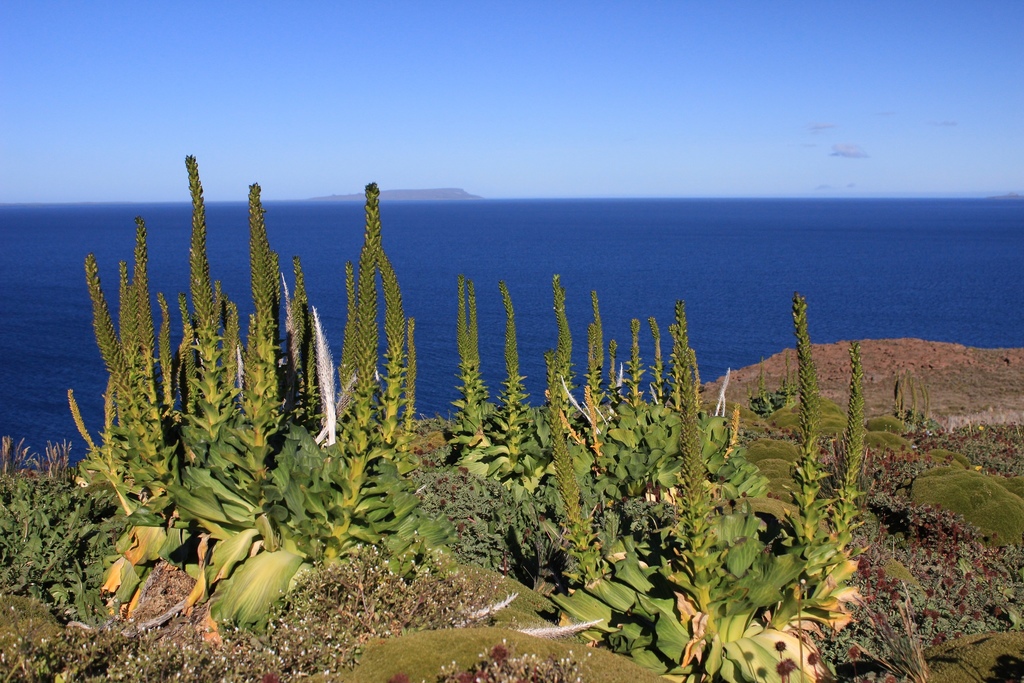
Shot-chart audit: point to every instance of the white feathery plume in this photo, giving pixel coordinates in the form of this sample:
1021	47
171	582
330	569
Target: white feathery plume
485	612
720	406
239	369
553	632
578	407
325	376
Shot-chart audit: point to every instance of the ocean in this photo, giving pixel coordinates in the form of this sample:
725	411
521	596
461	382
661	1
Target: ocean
943	270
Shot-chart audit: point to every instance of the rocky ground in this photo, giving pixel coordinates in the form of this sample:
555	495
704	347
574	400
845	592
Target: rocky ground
964	384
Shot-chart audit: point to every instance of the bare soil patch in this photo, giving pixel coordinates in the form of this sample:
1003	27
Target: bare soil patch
964	384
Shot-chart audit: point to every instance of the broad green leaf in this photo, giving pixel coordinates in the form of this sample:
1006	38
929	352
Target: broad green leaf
246	598
227	554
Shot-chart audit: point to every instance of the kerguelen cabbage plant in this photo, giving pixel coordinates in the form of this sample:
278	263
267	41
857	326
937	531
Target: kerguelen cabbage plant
710	596
212	449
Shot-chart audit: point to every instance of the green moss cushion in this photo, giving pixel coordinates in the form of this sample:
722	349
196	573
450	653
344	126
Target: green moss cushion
529	609
772	449
747	416
886	441
832	425
785	418
1014	485
831	408
894	569
886	423
832	422
980	498
979	657
420	656
780	477
951	458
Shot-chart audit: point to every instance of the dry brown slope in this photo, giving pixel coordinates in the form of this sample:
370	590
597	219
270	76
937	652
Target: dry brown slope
961	380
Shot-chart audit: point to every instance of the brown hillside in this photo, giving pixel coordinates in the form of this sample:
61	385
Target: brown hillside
963	383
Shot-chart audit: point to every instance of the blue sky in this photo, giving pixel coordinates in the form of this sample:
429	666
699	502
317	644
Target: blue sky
102	101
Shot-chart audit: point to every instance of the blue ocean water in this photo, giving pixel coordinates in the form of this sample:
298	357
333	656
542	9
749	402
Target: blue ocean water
943	270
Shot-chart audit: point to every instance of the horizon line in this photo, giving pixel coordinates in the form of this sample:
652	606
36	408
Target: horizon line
321	200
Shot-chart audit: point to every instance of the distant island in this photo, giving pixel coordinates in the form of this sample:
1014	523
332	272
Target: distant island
1012	195
443	193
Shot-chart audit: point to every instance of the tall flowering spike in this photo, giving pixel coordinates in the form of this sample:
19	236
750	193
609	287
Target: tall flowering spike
461	326
201	286
168	379
684	375
143	306
595	352
126	318
810	400
473	328
565	473
658	369
394	312
306	357
291	348
473	390
347	367
364	351
410	375
613	377
853	437
808	472
563	351
636	369
262	396
232	342
392	400
187	369
514	394
103	324
265	271
680	358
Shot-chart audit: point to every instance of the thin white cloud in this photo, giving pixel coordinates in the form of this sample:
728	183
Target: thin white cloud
848	151
944	124
818	127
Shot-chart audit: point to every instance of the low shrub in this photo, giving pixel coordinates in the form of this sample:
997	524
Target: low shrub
323	627
996	448
54	537
25	626
481	510
336	609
